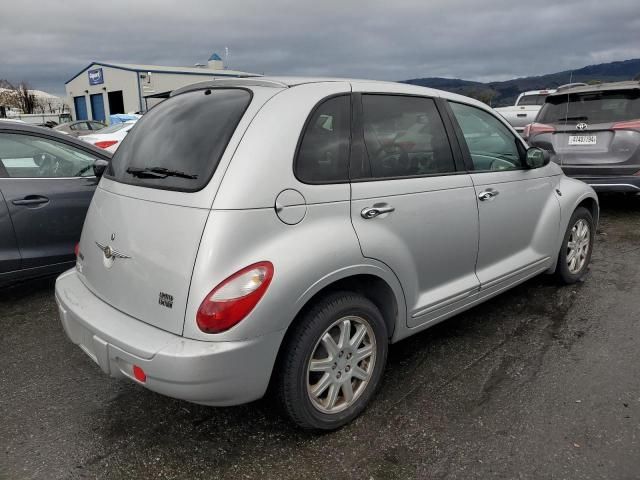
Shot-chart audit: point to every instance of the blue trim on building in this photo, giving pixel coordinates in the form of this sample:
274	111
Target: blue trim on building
214	56
118	67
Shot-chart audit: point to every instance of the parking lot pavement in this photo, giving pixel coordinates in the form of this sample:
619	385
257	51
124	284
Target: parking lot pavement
541	382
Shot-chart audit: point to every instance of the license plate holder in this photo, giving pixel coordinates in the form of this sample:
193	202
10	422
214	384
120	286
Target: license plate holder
583	140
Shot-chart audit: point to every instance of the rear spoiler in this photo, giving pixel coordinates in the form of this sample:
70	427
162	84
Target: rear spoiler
229	82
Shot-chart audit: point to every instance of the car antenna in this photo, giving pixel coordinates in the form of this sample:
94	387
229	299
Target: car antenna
566	114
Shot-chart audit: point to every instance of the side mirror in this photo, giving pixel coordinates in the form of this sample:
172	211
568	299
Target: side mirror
537	157
99	166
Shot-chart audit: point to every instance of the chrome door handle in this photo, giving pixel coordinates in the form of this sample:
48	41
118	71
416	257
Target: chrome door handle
487	195
372	212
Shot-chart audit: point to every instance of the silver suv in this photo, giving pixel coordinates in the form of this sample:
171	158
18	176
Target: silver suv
284	231
593	133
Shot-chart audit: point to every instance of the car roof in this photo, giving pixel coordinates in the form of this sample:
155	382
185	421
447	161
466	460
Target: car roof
14	127
626	85
290	82
539	92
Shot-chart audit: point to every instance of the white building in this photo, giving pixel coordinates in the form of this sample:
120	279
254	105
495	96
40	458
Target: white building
102	89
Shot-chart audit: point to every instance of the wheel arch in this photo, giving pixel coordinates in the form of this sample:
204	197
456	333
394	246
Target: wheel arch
377	284
590	204
575	194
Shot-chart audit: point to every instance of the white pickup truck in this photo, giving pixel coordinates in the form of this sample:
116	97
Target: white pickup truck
526	108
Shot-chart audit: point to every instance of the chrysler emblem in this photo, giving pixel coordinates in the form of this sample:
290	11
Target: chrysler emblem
581	126
109	252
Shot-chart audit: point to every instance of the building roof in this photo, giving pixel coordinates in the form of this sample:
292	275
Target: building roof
134	67
214	56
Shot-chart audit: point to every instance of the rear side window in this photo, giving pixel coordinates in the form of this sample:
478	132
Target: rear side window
531	100
178	144
323	154
404	136
591	107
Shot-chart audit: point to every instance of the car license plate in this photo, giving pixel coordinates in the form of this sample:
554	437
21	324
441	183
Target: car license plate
582	139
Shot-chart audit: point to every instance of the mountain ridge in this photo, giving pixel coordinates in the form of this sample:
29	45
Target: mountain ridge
505	92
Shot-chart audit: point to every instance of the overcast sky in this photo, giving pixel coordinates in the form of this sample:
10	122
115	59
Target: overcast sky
45	42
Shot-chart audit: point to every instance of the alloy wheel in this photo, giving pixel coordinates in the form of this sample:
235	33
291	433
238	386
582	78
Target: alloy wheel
341	364
578	246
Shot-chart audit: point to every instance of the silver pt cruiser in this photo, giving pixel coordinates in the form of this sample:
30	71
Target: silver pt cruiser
284	231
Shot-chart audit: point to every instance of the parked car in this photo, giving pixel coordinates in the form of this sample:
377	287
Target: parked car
14	120
109	138
526	108
46	183
593	133
79	127
264	230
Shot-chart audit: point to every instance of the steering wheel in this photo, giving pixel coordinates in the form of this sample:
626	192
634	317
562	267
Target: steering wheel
392	157
51	166
501	164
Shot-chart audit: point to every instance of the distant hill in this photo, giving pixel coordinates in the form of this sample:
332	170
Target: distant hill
505	93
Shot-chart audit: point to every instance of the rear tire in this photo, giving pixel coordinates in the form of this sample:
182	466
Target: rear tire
577	246
332	362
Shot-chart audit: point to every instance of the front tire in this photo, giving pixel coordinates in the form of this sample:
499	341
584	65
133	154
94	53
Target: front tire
577	246
332	362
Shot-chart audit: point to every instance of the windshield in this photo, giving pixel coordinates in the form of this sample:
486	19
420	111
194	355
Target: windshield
592	107
178	144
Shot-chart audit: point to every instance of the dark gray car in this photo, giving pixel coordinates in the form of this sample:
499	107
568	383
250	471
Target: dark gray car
47	180
593	132
80	127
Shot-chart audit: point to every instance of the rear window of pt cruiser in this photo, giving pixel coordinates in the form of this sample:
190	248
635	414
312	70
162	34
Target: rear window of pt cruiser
178	144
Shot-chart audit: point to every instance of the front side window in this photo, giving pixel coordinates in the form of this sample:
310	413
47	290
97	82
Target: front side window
28	156
323	155
491	144
178	144
404	136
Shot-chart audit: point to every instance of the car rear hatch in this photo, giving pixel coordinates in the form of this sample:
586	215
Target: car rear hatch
144	225
592	133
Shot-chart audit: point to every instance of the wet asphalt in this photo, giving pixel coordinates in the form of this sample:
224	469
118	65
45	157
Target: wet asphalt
542	382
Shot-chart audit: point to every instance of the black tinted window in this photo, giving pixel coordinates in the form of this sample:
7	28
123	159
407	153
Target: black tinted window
404	136
323	155
178	144
592	107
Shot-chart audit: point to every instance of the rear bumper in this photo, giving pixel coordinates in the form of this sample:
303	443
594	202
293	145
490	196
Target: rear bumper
622	184
210	373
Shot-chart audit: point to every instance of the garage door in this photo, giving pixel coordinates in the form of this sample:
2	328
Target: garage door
97	107
80	105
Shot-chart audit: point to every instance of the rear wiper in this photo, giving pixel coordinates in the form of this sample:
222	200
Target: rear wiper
158	172
566	119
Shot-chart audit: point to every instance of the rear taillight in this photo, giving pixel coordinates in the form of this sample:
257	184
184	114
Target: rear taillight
76	249
537	128
234	298
628	125
105	143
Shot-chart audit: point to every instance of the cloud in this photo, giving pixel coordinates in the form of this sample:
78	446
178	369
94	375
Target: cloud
46	43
